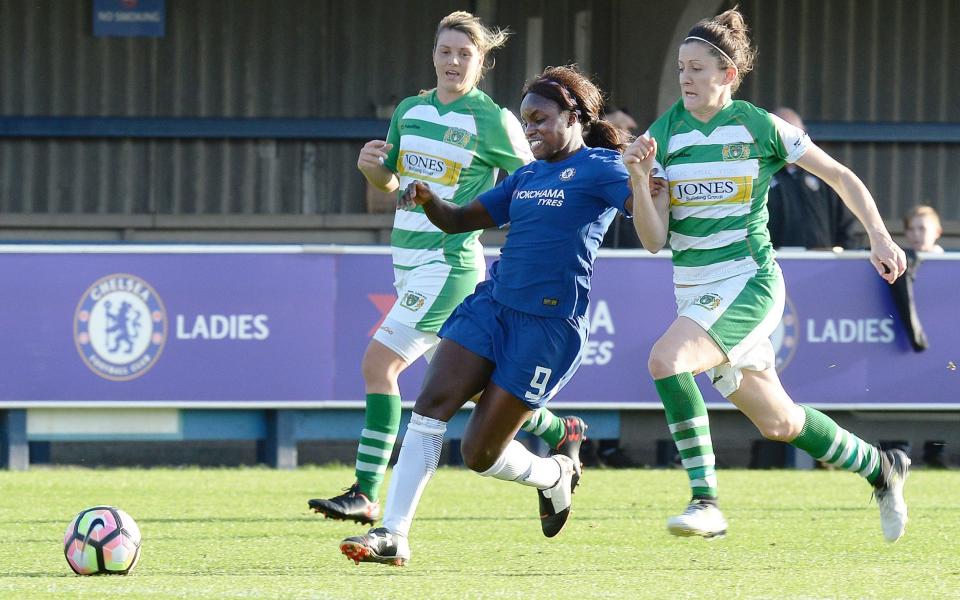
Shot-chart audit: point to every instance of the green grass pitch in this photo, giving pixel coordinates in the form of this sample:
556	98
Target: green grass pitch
247	533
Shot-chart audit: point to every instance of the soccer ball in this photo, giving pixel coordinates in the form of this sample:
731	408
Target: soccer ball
102	540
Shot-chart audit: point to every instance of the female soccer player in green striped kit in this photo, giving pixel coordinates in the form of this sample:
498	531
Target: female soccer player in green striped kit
457	139
717	156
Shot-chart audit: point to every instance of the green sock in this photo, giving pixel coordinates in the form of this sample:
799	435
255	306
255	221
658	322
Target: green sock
827	442
690	428
546	426
381	423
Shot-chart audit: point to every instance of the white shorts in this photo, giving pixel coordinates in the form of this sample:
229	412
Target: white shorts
408	343
428	294
740	314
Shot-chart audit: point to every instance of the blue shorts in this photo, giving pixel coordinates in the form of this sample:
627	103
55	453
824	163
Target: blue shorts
534	356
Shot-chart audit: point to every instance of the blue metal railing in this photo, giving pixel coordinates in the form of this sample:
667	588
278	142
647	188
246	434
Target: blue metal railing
364	129
917	133
192	128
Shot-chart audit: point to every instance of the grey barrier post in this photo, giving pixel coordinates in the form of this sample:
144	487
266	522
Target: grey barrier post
280	447
15	451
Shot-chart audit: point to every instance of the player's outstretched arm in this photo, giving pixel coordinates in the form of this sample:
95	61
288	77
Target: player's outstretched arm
649	200
370	163
449	217
887	257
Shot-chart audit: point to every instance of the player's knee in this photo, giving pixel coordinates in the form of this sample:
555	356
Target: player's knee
430	402
777	428
379	373
661	364
381	367
782	423
375	378
476	457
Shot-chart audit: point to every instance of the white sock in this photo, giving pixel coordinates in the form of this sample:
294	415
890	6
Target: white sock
418	460
526	468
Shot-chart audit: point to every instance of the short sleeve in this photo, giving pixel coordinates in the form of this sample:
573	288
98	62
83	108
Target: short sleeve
509	149
497	200
393	137
613	183
795	140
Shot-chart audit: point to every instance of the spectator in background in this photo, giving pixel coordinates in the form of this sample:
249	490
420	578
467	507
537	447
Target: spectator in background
606	452
921	226
620	235
804	211
622	120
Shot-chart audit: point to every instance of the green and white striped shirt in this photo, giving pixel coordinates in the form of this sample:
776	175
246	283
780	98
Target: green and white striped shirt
457	149
718	174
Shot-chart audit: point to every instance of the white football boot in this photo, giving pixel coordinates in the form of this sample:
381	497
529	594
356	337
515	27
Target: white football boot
555	501
895	465
701	518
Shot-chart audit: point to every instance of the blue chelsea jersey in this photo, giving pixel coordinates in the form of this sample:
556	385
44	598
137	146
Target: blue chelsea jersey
558	214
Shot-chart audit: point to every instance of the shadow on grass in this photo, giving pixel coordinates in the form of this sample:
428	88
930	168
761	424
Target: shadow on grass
597	514
34	574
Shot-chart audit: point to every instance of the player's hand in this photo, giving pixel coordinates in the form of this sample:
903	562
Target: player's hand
417	194
638	157
887	258
373	154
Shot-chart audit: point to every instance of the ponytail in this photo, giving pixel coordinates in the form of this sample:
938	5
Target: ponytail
601	133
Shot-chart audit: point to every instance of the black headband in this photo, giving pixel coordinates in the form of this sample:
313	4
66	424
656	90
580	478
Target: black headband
566	94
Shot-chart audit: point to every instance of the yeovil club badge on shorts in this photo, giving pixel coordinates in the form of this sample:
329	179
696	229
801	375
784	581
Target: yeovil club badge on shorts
709	301
120	327
413	301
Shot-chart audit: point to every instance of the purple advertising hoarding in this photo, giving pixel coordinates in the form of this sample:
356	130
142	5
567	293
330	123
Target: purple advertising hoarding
286	326
166	327
840	342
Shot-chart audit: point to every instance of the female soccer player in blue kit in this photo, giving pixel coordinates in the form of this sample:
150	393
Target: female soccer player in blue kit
518	337
465	138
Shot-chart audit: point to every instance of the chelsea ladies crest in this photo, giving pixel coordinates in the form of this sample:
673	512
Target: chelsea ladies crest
120	327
